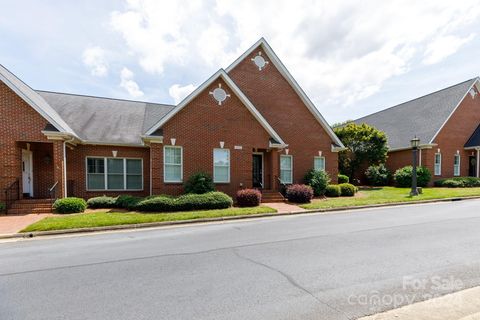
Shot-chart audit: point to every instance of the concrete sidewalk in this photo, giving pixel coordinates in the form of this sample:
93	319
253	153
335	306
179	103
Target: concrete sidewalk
13	223
461	305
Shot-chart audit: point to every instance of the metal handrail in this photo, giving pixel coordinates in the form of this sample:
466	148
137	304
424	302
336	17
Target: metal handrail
52	192
9	198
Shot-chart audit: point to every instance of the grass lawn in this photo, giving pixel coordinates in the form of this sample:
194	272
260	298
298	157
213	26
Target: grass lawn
102	219
389	195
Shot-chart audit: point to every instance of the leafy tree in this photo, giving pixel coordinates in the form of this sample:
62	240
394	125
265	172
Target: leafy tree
364	143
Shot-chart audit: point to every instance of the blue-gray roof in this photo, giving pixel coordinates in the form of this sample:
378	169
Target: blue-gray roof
474	140
106	120
422	117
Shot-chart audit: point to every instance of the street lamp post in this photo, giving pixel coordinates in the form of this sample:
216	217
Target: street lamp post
415	142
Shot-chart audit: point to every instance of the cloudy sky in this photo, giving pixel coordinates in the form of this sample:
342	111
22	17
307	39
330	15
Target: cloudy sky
351	57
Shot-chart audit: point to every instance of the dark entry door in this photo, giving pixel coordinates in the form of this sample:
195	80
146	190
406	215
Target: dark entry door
257	170
472	166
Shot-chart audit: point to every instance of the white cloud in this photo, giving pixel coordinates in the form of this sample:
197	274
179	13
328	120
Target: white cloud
178	93
94	58
127	83
444	46
340	53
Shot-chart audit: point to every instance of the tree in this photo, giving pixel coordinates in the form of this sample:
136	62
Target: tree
365	145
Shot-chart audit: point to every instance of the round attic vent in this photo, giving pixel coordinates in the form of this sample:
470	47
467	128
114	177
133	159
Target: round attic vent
219	94
259	61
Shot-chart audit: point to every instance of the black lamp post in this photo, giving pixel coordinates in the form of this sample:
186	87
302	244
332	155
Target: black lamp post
415	142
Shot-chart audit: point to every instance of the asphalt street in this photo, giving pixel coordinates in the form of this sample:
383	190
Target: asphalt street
312	266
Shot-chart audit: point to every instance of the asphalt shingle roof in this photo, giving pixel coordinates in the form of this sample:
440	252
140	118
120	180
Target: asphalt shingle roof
421	117
474	140
106	120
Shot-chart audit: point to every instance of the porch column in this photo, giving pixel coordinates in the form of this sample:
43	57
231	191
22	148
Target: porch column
275	172
59	168
478	163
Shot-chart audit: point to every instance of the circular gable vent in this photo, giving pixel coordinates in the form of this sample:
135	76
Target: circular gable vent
259	61
219	94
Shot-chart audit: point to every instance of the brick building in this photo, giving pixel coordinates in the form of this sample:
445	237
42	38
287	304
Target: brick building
250	125
447	122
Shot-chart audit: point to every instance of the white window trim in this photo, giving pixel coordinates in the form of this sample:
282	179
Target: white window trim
105	173
181	164
229	165
439	173
456	167
291	167
324	162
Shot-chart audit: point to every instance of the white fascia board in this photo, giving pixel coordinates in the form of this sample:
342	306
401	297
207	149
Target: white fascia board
475	83
116	144
33	99
219	74
293	83
422	146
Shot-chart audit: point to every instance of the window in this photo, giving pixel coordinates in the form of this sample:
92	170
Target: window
172	164
114	174
319	163
456	165
438	164
286	169
221	165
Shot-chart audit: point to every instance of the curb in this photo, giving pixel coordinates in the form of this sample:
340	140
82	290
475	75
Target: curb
205	220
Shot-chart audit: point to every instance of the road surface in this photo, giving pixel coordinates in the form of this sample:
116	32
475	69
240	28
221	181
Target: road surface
313	266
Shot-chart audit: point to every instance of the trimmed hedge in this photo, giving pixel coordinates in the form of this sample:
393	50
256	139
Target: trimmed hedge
127	202
199	183
248	198
343	178
378	175
347	189
70	205
458	182
299	193
403	177
102	202
318	180
333	190
187	202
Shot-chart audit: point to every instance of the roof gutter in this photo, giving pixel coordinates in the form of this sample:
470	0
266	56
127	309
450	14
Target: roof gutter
422	146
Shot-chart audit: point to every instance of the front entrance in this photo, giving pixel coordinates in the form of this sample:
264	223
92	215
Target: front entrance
257	170
472	166
27	173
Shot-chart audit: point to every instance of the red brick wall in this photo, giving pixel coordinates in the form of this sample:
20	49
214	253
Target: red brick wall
199	128
451	138
284	110
18	122
76	168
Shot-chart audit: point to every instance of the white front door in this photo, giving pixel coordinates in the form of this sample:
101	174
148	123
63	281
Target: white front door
27	176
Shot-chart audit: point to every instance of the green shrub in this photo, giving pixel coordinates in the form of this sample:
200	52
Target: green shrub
403	177
333	190
378	175
343	178
248	198
299	193
186	202
101	202
2	206
347	189
318	180
70	205
199	183
127	202
458	182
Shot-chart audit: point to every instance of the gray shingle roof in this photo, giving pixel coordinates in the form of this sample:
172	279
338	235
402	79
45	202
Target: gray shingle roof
474	140
421	117
106	120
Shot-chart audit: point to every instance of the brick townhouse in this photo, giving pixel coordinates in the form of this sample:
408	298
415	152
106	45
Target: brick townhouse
250	125
447	122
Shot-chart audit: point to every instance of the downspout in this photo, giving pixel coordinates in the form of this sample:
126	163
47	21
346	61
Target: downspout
478	162
65	166
150	164
420	157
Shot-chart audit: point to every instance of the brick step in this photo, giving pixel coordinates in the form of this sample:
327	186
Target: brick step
272	196
31	205
28	211
33	201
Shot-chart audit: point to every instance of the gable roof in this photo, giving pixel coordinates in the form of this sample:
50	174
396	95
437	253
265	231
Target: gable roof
33	99
422	117
219	74
474	141
105	120
293	83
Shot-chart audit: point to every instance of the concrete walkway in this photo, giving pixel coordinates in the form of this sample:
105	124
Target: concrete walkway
462	305
13	223
283	207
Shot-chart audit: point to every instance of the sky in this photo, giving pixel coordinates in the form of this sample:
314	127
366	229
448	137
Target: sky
352	58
